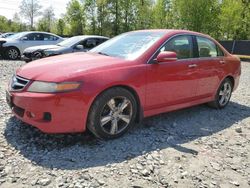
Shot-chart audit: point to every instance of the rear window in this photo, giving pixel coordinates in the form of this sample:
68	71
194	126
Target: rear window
206	47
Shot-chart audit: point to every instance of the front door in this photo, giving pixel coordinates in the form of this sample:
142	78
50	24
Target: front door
172	83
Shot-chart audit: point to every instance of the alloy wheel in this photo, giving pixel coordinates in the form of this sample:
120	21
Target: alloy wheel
116	115
225	93
13	53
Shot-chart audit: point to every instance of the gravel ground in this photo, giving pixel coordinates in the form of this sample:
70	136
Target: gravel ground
195	147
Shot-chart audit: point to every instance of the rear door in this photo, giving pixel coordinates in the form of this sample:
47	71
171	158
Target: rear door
210	63
49	39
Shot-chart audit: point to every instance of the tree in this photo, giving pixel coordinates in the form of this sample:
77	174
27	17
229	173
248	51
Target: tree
245	24
102	14
144	14
46	22
75	17
197	15
30	9
60	25
230	18
90	9
160	14
3	24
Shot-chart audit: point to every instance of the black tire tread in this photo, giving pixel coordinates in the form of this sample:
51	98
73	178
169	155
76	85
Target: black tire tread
91	124
215	104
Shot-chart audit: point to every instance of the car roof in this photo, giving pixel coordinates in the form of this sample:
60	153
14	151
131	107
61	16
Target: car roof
28	32
90	36
173	31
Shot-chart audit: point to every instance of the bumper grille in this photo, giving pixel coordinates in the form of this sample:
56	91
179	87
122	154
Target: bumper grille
18	83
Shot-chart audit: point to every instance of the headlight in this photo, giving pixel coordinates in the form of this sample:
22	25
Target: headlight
49	53
50	87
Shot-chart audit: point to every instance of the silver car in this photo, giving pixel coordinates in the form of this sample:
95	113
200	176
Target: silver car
13	46
81	43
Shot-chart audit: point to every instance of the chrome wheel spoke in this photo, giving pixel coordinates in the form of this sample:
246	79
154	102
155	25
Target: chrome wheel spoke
105	120
116	115
221	93
222	100
225	94
225	88
123	105
111	104
125	118
114	127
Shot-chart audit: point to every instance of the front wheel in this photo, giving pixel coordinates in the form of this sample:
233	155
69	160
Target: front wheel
223	95
112	113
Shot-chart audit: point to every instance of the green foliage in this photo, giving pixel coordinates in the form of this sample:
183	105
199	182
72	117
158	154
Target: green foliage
11	25
234	19
47	21
60	25
197	15
75	17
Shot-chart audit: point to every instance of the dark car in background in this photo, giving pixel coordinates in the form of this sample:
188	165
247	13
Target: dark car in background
81	43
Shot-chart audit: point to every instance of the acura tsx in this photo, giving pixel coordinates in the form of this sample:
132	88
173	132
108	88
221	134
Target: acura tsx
134	75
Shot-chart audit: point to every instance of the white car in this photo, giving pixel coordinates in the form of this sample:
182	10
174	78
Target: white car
13	46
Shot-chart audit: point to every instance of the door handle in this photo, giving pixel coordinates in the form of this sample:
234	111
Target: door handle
192	66
222	62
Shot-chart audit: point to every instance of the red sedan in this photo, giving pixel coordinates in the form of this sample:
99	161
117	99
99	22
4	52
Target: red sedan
134	75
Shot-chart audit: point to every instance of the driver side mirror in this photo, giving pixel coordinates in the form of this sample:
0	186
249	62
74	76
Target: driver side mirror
79	47
166	56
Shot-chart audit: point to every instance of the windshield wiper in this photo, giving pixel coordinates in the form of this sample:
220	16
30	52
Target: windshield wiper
101	53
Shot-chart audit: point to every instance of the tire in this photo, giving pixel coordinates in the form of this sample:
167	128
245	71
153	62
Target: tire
223	95
12	53
112	113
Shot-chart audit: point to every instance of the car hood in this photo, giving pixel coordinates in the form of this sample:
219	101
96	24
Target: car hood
67	67
2	39
44	47
7	40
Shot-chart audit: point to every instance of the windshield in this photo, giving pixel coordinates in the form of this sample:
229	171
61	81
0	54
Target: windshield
70	42
17	35
129	45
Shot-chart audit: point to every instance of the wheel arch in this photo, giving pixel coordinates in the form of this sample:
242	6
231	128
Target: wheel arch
8	47
139	113
231	78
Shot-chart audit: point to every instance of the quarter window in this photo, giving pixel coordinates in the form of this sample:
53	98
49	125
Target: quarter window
207	48
181	45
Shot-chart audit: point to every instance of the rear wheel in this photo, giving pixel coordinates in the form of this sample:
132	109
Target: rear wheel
112	113
223	95
12	53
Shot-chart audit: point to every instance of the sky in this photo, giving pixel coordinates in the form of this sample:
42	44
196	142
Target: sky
9	7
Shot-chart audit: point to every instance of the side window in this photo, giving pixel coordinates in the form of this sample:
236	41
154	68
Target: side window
100	41
35	37
206	47
90	43
220	52
181	45
48	37
31	36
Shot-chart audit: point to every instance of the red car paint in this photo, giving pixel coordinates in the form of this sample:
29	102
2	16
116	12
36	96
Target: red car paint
160	87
